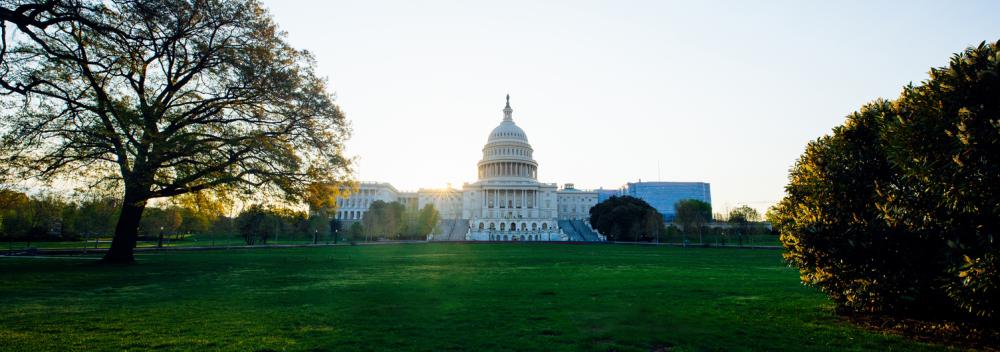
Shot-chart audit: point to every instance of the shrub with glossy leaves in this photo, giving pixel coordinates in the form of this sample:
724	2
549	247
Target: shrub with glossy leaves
898	209
833	229
946	146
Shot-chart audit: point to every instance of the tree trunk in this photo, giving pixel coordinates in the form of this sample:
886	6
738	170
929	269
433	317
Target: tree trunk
126	231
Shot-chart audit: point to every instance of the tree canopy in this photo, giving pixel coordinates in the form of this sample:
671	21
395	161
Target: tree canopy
692	215
626	218
163	98
897	210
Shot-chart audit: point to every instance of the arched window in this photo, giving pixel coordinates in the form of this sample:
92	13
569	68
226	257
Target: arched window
524	227
502	226
534	226
513	226
493	226
545	226
481	225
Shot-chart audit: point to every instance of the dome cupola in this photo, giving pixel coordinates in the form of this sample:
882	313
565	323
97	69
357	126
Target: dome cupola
507	153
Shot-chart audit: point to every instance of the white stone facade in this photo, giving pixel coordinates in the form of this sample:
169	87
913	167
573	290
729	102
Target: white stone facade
575	204
506	203
356	205
448	201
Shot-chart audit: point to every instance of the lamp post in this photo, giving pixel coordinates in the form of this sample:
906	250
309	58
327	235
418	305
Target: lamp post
159	241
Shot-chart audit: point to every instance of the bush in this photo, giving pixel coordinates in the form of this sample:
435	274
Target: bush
896	211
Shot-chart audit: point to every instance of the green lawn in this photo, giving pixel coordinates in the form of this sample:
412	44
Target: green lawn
231	240
428	297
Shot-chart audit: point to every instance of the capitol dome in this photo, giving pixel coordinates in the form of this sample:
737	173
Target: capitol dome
507	153
508	130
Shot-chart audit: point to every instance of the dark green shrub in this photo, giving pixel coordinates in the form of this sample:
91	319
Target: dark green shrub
832	227
946	146
897	210
626	219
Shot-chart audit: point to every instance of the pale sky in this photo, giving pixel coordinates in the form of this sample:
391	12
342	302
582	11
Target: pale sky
722	92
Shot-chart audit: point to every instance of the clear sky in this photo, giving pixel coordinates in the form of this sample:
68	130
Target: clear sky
615	91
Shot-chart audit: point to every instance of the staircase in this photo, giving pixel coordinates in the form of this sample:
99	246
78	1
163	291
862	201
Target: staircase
458	230
585	231
451	230
578	231
567	227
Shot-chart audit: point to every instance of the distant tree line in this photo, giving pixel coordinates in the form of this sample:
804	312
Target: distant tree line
394	221
258	225
48	217
631	219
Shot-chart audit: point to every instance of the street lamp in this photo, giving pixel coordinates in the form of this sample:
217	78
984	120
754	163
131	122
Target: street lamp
159	242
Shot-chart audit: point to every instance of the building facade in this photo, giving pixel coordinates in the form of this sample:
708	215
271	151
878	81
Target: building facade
575	204
354	207
663	195
507	202
448	201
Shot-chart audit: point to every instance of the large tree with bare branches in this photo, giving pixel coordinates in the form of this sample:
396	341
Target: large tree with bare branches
164	98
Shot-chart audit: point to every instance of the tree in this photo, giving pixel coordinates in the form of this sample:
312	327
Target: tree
199	210
319	226
256	224
693	214
384	219
357	231
13	208
743	218
626	219
896	211
163	98
427	220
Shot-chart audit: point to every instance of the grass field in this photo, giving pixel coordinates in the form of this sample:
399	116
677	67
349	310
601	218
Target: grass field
233	240
428	297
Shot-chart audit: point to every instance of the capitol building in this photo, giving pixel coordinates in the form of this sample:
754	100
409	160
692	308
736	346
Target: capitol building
506	203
